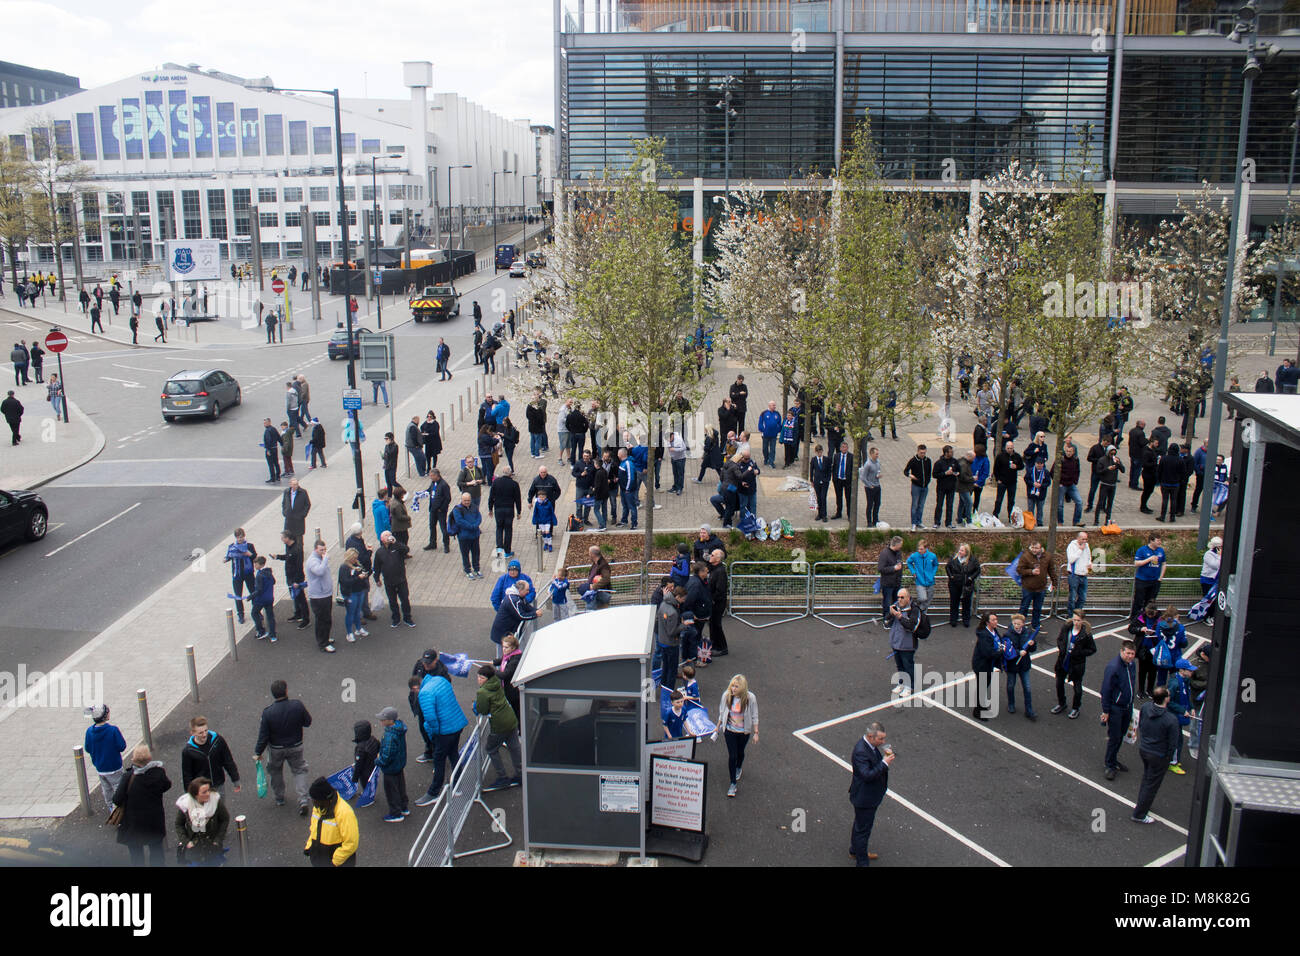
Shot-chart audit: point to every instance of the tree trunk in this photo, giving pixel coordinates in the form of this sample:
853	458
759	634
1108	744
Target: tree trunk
860	447
787	379
1056	483
648	547
947	385
55	236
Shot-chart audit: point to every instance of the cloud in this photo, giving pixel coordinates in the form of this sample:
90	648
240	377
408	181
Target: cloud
502	60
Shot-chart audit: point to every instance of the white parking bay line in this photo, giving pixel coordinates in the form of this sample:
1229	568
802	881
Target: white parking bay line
907	804
1169	857
93	530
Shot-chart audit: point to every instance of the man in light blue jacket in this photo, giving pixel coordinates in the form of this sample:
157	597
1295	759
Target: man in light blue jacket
320	595
443	721
924	565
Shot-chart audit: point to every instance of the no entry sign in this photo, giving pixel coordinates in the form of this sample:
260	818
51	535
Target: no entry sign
277	285
56	341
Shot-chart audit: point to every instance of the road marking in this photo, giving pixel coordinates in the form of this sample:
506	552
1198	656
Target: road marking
123	382
93	530
154	461
1169	857
907	804
134	368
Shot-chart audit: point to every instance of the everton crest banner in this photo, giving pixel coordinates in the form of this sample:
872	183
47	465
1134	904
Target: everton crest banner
189	260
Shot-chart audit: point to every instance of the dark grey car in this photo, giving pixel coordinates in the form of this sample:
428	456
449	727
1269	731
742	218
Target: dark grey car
206	392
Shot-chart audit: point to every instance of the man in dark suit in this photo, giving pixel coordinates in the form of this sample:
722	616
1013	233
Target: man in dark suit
819	473
271	444
439	502
871	763
294	507
842	476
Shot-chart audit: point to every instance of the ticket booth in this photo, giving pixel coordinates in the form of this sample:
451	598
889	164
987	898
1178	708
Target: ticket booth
583	723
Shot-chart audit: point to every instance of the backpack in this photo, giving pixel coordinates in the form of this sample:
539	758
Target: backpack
922	629
1163	654
573	524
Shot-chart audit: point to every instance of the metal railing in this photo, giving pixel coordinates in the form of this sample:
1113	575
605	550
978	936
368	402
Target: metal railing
436	843
764	598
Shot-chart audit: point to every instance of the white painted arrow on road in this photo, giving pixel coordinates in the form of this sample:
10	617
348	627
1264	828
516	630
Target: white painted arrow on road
122	381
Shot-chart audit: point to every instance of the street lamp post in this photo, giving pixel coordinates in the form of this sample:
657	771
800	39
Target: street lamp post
449	169
1243	31
538	188
724	104
1286	217
358	502
495	173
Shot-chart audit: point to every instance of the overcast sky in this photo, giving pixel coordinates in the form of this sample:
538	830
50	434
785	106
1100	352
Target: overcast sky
499	55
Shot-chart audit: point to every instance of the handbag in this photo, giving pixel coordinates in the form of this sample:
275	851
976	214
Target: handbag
119	811
261	780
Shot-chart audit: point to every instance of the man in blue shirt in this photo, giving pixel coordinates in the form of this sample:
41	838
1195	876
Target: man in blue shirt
627	486
769	426
1198	469
1149	570
924	565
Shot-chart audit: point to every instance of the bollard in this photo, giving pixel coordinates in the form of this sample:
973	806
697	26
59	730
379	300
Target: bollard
378	483
460	400
142	699
241	828
83	789
541	555
442	424
194	671
230	635
318	537
475	402
341	538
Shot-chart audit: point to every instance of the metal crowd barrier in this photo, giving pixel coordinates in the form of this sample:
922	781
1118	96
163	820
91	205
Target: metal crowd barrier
436	843
754	596
837	594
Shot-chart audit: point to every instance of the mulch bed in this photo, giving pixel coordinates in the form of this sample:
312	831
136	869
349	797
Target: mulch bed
989	546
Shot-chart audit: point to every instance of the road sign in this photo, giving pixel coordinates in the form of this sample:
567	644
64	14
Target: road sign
277	285
352	399
378	354
56	341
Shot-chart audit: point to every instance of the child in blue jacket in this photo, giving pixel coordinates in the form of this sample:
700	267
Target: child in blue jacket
392	764
681	570
560	605
264	600
1180	704
544	518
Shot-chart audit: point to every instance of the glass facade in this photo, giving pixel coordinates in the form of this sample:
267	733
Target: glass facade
240	202
784	105
979	110
1179	118
216	214
192	216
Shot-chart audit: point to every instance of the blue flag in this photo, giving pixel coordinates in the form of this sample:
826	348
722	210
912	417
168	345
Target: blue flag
1012	571
457	664
695	719
341	780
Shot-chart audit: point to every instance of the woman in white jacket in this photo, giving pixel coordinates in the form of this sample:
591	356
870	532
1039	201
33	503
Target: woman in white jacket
738	720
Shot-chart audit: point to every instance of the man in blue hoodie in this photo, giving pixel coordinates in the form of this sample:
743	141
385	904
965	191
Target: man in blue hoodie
514	573
443	720
464	522
241	555
104	746
392	764
769	426
1118	686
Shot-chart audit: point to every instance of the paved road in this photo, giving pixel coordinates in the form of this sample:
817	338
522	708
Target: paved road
128	520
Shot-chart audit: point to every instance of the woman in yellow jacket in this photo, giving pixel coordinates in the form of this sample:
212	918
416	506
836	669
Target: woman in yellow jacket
333	837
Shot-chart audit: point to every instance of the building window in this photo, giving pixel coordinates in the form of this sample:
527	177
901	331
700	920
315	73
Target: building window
319	193
297	137
132	128
167	215
192	216
140	202
352	217
90	216
395	217
200	122
322	251
63	138
227	141
293	194
322	140
250	132
320	218
265	196
18	144
292	220
240	200
216	214
155	124
86	135
367	193
268	220
274	123
350	143
179	123
349	193
41	144
115	206
293	250
94	253
370	146
396	149
396	191
270	250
